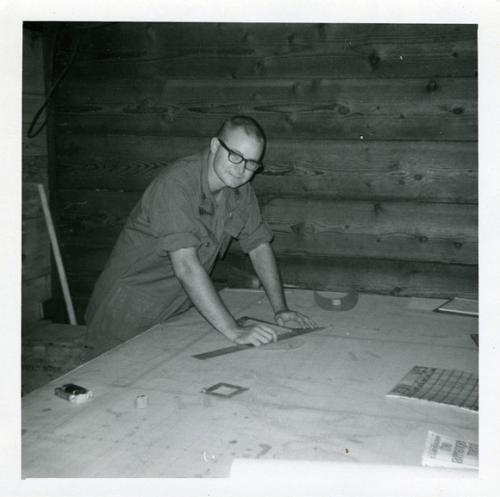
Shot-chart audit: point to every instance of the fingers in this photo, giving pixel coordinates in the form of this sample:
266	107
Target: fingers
302	320
308	322
258	335
264	333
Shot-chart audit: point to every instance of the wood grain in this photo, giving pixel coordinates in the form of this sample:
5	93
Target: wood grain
246	50
35	254
381	109
34	291
389	230
35	248
371	167
431	171
308	227
405	278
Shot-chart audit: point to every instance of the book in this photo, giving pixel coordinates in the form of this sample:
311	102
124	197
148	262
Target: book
448	452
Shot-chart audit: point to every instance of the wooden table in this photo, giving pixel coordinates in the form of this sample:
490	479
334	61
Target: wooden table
319	396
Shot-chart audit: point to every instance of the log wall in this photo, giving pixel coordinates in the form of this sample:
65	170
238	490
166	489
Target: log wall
36	267
371	167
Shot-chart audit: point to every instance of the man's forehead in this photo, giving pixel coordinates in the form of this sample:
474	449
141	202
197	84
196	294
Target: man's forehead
237	137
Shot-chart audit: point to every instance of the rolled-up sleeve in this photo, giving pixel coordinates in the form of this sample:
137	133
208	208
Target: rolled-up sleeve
172	217
256	231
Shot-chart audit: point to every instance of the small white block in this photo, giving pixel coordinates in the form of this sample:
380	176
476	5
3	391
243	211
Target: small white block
141	402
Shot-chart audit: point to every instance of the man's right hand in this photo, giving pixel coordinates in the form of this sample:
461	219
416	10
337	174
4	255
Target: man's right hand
255	334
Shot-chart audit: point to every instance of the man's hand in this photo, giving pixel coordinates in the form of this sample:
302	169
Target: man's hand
285	318
255	334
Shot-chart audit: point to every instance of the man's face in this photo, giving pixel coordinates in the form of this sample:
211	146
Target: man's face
227	173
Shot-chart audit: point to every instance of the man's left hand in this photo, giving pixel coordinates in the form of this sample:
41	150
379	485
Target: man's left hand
286	318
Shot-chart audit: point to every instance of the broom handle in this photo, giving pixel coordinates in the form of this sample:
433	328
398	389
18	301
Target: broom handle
57	255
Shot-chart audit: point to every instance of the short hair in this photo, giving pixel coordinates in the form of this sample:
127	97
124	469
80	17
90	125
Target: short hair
248	124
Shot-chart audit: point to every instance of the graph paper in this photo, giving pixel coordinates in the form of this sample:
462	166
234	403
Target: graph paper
444	386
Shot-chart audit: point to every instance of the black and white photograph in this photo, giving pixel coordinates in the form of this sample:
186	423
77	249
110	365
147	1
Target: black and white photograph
251	248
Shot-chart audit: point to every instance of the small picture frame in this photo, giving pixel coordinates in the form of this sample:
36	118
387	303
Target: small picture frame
225	390
456	305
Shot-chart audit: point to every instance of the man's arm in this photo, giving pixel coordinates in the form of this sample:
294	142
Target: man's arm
204	296
264	263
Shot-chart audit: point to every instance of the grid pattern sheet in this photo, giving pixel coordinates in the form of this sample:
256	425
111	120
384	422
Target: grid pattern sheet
444	386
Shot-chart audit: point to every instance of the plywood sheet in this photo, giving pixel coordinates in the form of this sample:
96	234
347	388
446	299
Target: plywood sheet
323	400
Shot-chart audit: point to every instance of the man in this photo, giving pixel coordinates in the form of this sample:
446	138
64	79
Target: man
187	216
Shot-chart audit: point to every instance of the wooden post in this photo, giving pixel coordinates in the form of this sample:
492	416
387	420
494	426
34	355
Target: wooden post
57	255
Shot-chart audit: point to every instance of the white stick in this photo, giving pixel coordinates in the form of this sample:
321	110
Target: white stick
57	255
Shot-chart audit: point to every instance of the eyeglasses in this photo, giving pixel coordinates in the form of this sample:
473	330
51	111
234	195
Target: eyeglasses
236	158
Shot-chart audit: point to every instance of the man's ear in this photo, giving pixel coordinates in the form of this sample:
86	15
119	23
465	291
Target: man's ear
214	145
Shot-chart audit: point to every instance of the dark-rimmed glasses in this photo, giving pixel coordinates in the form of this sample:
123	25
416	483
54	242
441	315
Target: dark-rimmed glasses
236	158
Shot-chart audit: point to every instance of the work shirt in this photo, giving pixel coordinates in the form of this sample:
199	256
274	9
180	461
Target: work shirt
138	287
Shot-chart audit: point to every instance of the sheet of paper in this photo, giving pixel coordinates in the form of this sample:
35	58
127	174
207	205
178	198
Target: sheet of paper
457	305
448	452
443	386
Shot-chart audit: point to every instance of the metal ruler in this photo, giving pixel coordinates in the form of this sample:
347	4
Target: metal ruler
289	333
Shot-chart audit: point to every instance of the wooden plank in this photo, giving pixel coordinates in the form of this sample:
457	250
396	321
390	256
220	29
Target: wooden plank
310	125
439	171
346	96
394	230
34	291
345	109
393	277
245	50
405	278
389	230
35	248
33	75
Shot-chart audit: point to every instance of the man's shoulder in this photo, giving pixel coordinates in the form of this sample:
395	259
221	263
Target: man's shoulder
183	171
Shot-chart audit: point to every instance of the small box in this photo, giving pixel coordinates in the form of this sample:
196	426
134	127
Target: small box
73	393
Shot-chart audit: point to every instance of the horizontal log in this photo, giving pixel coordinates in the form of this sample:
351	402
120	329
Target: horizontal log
35	249
330	109
279	125
243	50
390	230
430	171
400	278
395	230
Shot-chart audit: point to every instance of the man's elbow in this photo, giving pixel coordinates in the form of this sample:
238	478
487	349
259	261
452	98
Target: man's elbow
262	248
184	263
